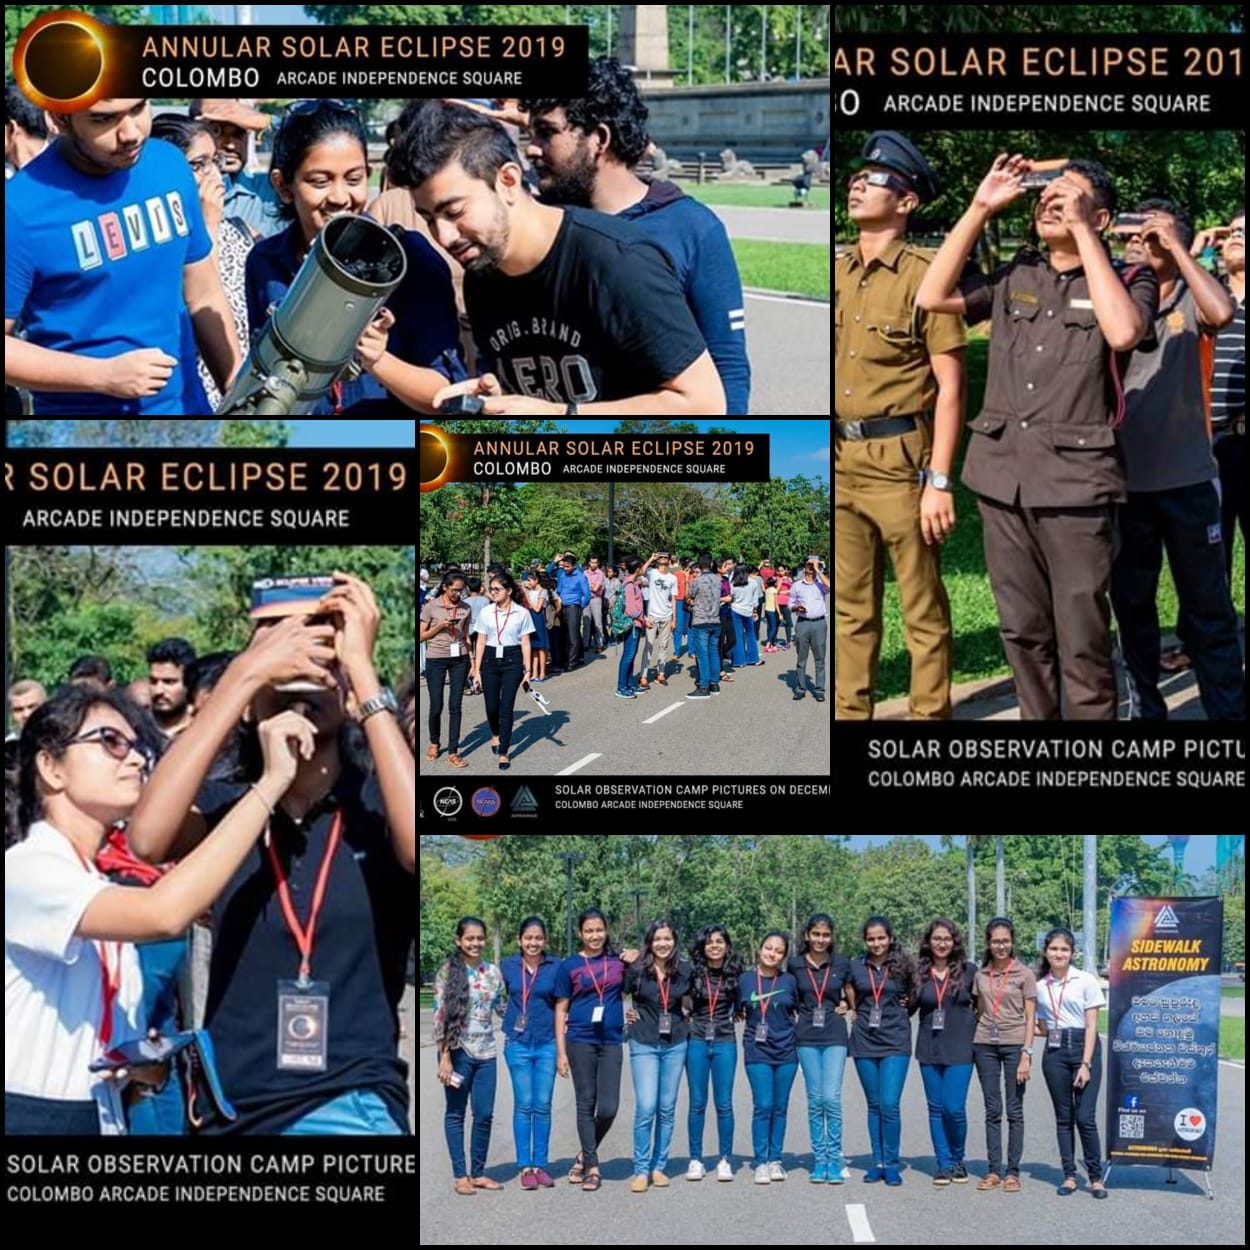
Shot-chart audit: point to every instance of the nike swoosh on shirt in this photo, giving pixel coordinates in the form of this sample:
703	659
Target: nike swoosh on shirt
757	997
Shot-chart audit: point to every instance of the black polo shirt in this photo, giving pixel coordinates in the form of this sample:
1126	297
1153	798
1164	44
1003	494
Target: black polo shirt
366	923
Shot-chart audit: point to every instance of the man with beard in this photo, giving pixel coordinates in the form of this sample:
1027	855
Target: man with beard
167	665
584	152
577	312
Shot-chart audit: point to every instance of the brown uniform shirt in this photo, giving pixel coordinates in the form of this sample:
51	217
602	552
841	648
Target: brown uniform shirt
436	612
881	341
1008	994
1044	437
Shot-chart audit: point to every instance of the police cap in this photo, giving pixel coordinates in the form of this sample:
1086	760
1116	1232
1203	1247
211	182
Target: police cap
893	151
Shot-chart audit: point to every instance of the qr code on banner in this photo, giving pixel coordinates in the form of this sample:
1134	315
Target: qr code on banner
1133	1126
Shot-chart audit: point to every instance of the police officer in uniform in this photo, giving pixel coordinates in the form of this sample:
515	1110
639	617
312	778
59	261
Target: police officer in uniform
1043	459
898	408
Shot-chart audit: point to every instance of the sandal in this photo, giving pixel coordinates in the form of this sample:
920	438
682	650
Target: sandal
485	1182
992	1181
434	751
592	1183
455	761
464	1186
1068	1187
577	1173
1097	1189
1011	1185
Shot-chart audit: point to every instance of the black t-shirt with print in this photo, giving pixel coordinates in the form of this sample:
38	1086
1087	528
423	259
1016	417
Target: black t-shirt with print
363	931
601	317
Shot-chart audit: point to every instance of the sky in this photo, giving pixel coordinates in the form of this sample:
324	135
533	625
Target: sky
314	432
1199	853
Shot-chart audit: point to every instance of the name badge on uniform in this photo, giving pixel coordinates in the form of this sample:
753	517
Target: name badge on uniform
596	1016
455	650
995	1033
1083	304
761	1033
1054	1040
818	1017
519	1026
303	1026
938	1020
499	652
874	1018
666	1024
709	1033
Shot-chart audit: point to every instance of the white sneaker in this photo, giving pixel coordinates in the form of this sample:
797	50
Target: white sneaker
761	1174
695	1172
776	1172
724	1170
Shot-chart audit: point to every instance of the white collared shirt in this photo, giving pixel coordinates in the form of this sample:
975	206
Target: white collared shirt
1071	997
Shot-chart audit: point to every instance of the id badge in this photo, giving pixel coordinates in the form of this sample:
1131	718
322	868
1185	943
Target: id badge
761	1034
709	1033
874	1018
1054	1040
596	1016
455	650
939	1019
519	1026
499	653
818	1017
666	1024
303	1026
995	1033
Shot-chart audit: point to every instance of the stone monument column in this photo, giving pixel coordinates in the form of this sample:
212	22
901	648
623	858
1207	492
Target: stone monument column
643	43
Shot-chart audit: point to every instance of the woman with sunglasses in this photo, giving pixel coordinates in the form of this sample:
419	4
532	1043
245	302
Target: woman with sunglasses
73	984
503	658
445	631
320	170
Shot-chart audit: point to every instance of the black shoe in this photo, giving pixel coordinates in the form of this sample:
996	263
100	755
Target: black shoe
820	698
494	750
798	694
959	1174
714	688
942	1177
701	693
504	765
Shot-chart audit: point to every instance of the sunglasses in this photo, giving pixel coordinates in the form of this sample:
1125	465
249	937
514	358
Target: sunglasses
877	178
116	743
495	590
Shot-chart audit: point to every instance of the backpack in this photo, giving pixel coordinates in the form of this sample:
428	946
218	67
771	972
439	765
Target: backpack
619	621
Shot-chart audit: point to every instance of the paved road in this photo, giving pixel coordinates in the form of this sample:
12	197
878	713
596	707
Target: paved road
1142	1209
789	346
782	225
755	726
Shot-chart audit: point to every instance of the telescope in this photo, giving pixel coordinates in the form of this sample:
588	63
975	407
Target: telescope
310	340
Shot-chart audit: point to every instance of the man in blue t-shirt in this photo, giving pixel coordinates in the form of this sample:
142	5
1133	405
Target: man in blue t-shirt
584	151
105	253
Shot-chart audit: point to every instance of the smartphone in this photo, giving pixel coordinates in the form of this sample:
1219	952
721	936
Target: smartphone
458	405
1043	173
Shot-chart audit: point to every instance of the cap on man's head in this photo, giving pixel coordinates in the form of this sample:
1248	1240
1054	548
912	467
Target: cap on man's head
277	597
892	150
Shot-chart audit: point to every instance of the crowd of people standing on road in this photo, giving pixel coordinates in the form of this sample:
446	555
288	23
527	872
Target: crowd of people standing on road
802	1004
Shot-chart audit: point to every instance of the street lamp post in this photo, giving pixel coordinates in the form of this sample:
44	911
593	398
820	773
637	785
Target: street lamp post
569	860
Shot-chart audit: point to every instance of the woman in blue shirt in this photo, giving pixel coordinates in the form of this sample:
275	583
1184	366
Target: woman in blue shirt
529	1029
320	170
821	973
770	998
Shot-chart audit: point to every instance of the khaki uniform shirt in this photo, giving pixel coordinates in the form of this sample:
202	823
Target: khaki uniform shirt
881	341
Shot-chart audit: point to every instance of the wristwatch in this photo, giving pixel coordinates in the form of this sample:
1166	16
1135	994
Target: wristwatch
384	701
939	481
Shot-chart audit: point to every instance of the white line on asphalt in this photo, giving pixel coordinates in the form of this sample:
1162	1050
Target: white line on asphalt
858	1216
789	299
572	768
672	707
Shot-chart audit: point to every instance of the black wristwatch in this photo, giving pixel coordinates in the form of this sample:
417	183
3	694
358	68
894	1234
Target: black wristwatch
571	410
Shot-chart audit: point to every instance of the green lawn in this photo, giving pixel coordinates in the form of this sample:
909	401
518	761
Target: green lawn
1232	1035
1234	991
753	197
978	646
797	268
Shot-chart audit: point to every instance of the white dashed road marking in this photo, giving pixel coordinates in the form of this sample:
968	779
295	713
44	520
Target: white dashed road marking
672	707
572	768
858	1216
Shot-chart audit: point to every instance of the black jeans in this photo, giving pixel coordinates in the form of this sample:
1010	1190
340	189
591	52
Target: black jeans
596	1072
1072	1105
501	679
991	1060
26	1116
573	633
436	673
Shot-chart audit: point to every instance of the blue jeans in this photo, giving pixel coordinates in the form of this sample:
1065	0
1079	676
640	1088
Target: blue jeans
772	628
626	678
770	1096
479	1085
746	646
357	1112
822	1074
883	1081
657	1079
946	1092
681	623
718	1060
533	1071
703	644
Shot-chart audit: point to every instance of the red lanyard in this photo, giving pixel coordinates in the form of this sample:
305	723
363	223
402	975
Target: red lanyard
759	989
593	981
498	631
525	989
110	973
1050	993
996	1000
940	985
712	999
453	615
876	993
304	937
820	993
665	986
